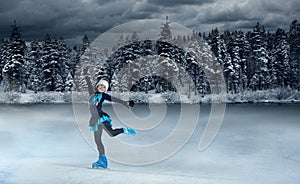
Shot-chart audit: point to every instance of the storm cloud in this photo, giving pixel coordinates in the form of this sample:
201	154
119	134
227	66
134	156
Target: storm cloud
73	19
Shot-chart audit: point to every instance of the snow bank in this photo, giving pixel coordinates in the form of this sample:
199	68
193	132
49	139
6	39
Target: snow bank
278	95
40	97
263	96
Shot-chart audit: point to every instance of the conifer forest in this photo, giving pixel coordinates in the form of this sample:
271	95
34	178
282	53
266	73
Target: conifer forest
250	60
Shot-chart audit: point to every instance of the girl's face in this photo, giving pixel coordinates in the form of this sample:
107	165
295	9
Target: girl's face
101	88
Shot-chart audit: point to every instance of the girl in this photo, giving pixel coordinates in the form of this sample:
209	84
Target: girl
100	120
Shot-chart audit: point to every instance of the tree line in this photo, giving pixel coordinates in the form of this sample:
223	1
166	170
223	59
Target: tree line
257	59
252	60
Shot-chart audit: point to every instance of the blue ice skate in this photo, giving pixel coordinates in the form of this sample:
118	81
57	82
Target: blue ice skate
101	163
129	131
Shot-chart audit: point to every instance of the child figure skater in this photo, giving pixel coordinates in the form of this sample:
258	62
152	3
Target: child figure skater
100	120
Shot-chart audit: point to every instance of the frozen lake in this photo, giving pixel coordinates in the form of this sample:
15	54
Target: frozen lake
257	143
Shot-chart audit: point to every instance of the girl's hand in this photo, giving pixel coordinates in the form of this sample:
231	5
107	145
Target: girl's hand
130	103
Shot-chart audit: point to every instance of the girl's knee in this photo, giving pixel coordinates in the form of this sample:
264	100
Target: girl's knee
111	134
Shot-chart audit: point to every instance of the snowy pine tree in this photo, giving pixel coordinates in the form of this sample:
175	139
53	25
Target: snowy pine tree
214	42
243	46
200	52
280	73
85	44
260	58
294	44
51	67
79	61
64	58
165	33
14	70
33	58
69	85
134	37
4	56
237	54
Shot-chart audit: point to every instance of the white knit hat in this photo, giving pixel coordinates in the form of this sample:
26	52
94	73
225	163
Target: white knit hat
103	82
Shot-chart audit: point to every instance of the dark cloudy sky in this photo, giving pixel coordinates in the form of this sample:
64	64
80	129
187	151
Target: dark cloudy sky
73	18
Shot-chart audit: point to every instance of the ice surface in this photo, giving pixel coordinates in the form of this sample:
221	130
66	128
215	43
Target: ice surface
256	144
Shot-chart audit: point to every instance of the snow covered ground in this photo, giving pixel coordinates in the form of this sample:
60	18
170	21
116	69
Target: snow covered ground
257	143
278	95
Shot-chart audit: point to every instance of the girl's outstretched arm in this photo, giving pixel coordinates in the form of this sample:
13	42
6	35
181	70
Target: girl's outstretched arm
88	81
117	100
129	103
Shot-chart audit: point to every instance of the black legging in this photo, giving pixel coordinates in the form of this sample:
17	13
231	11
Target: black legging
110	131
